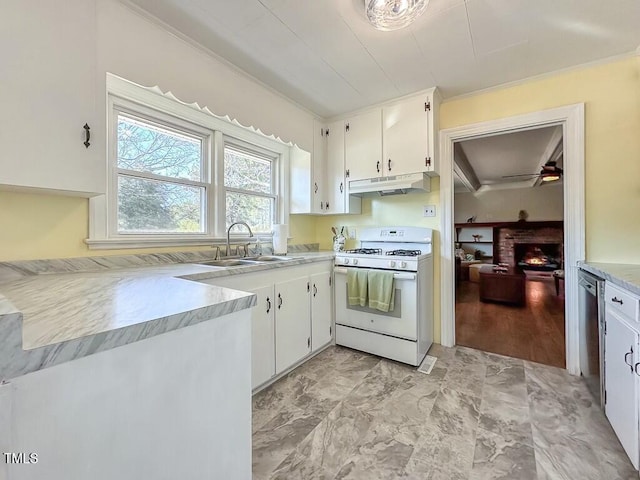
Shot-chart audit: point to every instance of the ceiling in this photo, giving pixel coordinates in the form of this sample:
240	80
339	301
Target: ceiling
325	56
484	162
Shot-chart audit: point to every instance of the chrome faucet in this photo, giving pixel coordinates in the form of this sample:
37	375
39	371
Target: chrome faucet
229	234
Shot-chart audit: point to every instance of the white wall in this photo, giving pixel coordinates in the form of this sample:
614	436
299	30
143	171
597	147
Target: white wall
135	48
541	203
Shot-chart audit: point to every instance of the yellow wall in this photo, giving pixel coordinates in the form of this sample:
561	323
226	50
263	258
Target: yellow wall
611	93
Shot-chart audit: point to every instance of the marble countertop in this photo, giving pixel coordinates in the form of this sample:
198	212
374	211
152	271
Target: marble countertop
50	318
625	276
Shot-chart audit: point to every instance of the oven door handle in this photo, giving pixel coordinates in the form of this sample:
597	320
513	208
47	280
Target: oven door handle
396	276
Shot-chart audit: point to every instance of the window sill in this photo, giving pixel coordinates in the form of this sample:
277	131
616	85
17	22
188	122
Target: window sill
121	243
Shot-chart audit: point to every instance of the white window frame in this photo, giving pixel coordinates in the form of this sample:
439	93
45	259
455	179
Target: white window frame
261	152
117	106
160	107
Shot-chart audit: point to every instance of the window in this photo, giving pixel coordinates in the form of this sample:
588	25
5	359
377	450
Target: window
249	187
160	178
179	175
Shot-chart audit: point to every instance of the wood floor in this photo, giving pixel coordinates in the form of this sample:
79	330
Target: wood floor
532	332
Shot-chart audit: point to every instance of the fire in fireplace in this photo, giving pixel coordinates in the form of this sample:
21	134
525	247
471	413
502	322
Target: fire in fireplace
538	256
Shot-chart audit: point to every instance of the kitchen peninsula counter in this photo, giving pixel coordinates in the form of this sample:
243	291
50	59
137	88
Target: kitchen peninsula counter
97	304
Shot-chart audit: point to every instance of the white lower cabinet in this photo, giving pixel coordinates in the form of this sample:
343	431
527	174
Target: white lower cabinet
263	362
293	322
622	378
321	308
293	316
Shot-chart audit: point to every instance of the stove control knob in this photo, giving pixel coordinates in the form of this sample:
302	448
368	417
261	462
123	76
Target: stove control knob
403	265
355	261
345	261
392	263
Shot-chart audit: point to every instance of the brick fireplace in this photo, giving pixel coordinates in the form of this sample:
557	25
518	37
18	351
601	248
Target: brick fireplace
542	241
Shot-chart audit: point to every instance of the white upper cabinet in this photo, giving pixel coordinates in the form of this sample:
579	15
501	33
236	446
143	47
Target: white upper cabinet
319	168
408	135
363	145
48	93
308	175
337	187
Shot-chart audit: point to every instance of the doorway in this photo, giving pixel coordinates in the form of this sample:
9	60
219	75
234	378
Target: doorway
509	244
571	120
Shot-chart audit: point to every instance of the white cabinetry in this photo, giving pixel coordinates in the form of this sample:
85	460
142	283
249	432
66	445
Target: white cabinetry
321	307
409	135
318	183
363	145
263	365
293	325
338	198
622	368
48	93
308	175
288	322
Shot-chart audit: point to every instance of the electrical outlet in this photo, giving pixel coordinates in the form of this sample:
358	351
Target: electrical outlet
352	232
429	211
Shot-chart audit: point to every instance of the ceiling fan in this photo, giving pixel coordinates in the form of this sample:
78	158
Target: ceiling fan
550	172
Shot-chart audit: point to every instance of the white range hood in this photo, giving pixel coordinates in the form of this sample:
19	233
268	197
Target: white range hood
392	185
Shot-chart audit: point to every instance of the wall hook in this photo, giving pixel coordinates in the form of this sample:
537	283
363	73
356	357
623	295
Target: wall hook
87	135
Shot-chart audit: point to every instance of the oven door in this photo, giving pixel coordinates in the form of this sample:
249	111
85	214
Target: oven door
401	322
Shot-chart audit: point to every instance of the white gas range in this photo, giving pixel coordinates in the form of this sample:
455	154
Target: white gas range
406	333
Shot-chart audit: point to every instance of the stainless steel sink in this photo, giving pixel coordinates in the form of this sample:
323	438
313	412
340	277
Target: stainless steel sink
244	261
232	262
269	258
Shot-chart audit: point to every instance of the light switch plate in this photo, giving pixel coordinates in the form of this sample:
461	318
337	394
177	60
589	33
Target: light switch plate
352	232
429	211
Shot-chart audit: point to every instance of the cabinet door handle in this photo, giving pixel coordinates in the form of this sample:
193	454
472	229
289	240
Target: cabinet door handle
308	342
315	190
268	305
321	205
347	173
617	300
279	301
315	290
341	187
87	135
625	358
635	369
389	164
326	205
378	166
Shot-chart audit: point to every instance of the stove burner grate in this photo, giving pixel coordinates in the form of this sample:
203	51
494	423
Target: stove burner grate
404	253
365	251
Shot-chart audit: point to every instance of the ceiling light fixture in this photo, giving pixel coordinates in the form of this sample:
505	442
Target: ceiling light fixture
390	15
550	172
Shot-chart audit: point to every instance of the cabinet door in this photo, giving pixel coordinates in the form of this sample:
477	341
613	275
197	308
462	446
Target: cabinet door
406	136
301	181
621	353
321	310
263	360
293	322
48	79
363	145
335	187
319	179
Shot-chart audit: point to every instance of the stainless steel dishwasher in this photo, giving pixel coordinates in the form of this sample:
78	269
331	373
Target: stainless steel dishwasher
592	332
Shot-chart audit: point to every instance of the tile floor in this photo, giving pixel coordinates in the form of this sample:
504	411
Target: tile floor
348	415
